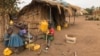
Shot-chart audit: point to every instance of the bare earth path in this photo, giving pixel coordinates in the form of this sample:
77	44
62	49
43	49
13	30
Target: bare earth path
88	41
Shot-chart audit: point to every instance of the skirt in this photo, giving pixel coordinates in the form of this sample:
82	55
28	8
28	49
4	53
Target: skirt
15	41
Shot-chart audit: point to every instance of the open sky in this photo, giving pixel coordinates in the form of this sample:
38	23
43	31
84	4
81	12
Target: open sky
81	3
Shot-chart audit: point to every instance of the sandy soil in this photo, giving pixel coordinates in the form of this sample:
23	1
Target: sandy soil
87	34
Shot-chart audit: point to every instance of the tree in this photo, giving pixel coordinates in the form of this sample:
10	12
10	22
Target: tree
8	6
90	10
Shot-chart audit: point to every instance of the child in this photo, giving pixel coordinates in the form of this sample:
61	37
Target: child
7	36
23	30
51	31
50	35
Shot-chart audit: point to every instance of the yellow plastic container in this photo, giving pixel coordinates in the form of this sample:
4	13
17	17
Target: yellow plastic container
30	45
11	22
66	25
59	28
33	47
43	26
36	47
7	52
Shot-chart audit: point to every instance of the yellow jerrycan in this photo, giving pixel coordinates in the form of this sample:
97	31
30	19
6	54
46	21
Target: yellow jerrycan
11	22
59	28
66	25
7	52
43	26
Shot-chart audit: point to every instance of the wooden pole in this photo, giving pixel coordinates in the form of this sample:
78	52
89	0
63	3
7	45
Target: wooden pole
50	16
1	27
69	19
29	35
74	18
59	8
0	30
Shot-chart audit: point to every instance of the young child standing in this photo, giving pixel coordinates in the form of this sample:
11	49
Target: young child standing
7	36
50	35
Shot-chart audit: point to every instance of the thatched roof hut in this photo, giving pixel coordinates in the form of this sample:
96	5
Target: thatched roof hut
39	10
96	12
75	9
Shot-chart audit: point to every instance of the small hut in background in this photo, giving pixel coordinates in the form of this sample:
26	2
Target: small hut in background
95	15
74	11
96	12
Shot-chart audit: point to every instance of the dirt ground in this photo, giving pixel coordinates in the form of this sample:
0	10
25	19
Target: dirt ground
87	35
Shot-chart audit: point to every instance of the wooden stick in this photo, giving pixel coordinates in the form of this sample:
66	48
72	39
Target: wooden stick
74	18
75	54
46	40
28	35
69	19
50	16
59	8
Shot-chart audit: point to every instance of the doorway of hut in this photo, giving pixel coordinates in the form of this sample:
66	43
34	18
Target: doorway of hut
56	17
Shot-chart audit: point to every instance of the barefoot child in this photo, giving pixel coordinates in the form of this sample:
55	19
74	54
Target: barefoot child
50	35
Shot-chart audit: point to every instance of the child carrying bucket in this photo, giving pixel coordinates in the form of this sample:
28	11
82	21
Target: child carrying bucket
48	30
